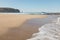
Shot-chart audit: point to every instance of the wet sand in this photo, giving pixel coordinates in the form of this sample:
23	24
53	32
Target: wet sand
19	27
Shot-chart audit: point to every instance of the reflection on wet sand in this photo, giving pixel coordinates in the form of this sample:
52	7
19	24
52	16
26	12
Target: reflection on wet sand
29	24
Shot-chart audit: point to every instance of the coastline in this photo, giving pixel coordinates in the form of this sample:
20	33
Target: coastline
13	26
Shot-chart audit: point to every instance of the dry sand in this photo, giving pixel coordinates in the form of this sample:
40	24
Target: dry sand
17	27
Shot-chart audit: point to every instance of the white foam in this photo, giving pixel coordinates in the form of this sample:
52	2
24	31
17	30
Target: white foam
49	31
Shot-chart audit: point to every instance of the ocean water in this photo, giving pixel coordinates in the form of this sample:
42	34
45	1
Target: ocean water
12	13
30	13
33	13
50	31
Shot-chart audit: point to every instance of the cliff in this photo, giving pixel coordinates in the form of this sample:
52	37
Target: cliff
9	10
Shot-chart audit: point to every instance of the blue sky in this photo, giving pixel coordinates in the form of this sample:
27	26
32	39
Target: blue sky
33	5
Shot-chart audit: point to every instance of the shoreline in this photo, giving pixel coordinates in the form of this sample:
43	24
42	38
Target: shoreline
13	26
21	27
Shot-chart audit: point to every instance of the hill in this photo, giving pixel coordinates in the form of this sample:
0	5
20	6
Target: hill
9	10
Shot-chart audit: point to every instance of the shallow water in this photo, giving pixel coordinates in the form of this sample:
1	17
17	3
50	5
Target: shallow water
49	31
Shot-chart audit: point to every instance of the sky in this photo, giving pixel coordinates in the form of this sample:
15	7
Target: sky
32	5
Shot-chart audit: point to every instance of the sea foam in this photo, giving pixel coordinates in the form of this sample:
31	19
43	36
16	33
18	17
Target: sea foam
50	31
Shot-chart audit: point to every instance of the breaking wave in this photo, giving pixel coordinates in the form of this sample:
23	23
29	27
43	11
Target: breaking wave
49	31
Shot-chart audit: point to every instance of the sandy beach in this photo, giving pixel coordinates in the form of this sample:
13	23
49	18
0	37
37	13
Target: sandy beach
20	27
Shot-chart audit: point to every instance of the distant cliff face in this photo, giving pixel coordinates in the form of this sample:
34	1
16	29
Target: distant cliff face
9	10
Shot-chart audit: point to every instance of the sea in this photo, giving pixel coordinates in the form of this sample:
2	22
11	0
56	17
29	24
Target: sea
27	13
48	31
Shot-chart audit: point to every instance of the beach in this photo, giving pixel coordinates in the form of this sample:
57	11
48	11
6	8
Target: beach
21	27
